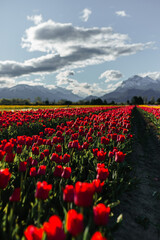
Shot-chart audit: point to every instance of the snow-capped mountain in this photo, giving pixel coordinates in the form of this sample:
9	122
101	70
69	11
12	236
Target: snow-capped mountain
24	91
135	86
138	82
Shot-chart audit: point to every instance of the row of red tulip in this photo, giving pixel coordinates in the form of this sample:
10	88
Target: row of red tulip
71	164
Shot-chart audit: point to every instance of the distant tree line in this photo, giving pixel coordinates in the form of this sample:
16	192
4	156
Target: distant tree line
136	100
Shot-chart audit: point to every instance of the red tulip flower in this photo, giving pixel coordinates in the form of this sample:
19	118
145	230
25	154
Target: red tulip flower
22	166
54	229
83	195
15	197
74	222
42	156
8	147
58	148
98	185
56	158
105	140
102	174
35	150
9	157
101	155
119	157
33	232
33	172
66	172
101	214
98	236
66	158
42	190
46	152
19	149
5	176
41	170
58	171
68	193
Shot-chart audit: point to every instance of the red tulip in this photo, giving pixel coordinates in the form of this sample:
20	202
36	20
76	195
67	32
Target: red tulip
119	157
66	172
33	233
46	152
19	149
33	172
74	222
66	158
42	190
42	156
68	193
101	214
22	166
101	155
41	170
102	174
56	158
9	157
35	150
5	176
98	185
58	148
98	236
15	197
84	194
105	140
58	171
8	147
54	229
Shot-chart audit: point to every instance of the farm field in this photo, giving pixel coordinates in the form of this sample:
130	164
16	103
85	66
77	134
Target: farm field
80	173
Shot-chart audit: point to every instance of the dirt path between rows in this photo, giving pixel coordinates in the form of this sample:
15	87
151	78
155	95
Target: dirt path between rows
141	207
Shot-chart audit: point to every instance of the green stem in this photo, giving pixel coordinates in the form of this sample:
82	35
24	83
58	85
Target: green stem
39	212
11	218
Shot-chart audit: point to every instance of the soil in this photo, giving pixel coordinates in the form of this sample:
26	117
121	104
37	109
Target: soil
141	206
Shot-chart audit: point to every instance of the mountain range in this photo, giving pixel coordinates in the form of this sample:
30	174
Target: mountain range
24	91
134	86
145	87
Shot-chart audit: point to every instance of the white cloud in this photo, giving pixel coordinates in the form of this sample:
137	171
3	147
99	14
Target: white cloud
83	89
153	75
111	87
85	14
37	19
31	83
69	47
111	75
6	82
121	14
64	77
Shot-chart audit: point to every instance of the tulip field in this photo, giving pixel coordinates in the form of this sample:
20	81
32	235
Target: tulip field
62	172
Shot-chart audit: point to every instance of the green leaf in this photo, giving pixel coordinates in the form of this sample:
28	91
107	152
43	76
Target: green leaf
86	231
114	204
120	218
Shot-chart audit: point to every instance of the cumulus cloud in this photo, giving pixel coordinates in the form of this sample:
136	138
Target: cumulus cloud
111	87
82	89
122	14
153	75
66	46
6	82
85	14
64	77
111	75
36	19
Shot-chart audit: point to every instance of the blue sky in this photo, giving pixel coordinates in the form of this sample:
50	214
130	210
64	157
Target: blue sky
87	46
